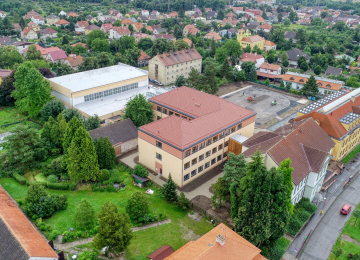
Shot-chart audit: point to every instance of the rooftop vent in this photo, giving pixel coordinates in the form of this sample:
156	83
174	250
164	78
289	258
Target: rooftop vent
220	239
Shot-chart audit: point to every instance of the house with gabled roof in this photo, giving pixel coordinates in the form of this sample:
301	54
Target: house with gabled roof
2	14
52	19
191	132
28	33
56	56
190	29
105	27
117	32
213	35
91	28
61	22
144	59
48	32
74	61
81	25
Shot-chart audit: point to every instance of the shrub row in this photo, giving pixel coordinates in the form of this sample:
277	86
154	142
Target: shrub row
19	178
74	235
54	186
302	212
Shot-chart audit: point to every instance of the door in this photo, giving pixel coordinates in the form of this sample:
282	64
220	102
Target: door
158	168
117	150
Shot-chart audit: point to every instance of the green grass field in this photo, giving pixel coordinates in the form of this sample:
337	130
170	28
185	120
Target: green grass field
181	229
9	115
351	155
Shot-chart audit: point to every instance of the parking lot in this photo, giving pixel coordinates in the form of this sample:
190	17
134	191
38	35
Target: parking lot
262	102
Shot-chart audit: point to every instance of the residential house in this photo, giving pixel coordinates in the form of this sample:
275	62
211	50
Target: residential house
231	15
338	115
62	13
154	12
168	37
35	17
295	54
225	33
266	27
269	45
307	146
173	14
143	19
143	59
52	19
164	146
2	14
91	28
256	12
161	17
198	11
246	17
112	10
326	86
237	10
48	32
44	51
213	35
137	27
167	67
344	57
127	21
72	14
74	61
259	19
211	15
105	27
91	19
145	12
19	237
33	25
4	40
333	71
188	41
4	73
253	57
116	14
270	71
123	135
153	17
110	20
28	33
17	26
56	56
20	45
190	29
139	35
230	21
250	41
149	28
80	26
159	30
208	10
117	32
290	35
61	22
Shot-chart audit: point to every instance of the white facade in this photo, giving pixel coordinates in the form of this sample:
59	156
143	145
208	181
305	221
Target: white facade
258	62
113	34
145	12
298	191
269	71
38	21
2	14
62	13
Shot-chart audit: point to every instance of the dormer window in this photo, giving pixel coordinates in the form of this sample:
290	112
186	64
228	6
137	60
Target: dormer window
319	84
301	80
292	78
328	86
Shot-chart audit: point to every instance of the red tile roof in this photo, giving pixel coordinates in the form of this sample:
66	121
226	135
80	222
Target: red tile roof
83	24
72	14
254	38
22	229
173	14
44	51
180	56
107	26
4	73
74	60
58	55
82	44
321	83
127	21
213	35
270	66
161	253
259	19
266	26
122	30
62	21
144	56
211	115
269	43
192	29
48	31
305	143
251	57
92	27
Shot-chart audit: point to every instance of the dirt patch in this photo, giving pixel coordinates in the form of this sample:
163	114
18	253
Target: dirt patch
211	189
349	239
202	202
223	213
230	87
84	186
196	216
202	179
188	234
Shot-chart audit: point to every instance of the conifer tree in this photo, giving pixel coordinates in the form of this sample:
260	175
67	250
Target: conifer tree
287	172
168	190
234	199
73	125
105	152
225	69
62	125
81	158
310	87
85	217
234	168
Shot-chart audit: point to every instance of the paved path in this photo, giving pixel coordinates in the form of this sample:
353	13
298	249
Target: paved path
204	188
324	234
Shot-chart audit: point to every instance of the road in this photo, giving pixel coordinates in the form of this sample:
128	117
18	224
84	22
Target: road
326	228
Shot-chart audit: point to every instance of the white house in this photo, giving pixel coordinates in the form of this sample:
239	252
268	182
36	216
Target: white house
253	57
62	13
2	14
118	32
145	13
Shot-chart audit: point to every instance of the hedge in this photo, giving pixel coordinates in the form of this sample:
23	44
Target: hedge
19	178
58	186
28	183
302	213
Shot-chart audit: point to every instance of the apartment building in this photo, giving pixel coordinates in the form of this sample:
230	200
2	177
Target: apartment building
190	134
167	67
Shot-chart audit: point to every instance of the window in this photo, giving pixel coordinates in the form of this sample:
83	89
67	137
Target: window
186	177
158	118
227	132
225	154
200	169
177	115
186	165
214	150
164	110
194	149
207	165
187	153
226	143
213	161
158	156
233	129
221	135
184	117
239	126
170	113
215	138
201	145
201	157
158	144
194	161
208	142
193	173
208	153
220	147
110	92
219	158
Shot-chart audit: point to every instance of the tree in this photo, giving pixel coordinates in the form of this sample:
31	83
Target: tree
106	153
104	59
317	70
267	82
117	23
32	90
287	172
35	192
64	69
46	73
183	202
23	147
233	49
356	215
65	40
220	15
277	36
212	49
95	34
194	79
250	71
79	49
285	63
73	125
247	49
119	58
271	58
114	231
221	194
131	28
145	44
85	217
352	82
168	190
240	76
300	60
9	56
310	87
132	56
89	63
292	16
100	45
226	71
180	81
87	255
181	44
81	158
22	23
304	66
139	110
209	81
6	88
137	206
33	54
160	46
71	27
52	108
220	55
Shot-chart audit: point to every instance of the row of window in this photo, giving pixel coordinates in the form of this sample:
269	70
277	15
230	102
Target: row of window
110	92
205	166
165	111
206	155
182	69
182	64
178	75
212	140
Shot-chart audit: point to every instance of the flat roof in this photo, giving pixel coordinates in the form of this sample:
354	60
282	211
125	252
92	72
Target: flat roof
95	78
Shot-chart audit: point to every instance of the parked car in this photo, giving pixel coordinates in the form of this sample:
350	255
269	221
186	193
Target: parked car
345	209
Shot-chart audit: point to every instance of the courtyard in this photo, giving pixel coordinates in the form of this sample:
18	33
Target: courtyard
261	104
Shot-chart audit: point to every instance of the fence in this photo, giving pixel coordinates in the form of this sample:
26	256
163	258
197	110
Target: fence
28	119
292	91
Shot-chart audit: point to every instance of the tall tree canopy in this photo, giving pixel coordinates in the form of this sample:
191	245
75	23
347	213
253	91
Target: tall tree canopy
139	110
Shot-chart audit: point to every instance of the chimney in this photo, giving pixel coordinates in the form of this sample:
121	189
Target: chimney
220	239
353	99
301	129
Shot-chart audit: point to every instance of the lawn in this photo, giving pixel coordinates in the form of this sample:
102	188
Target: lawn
351	155
181	229
9	115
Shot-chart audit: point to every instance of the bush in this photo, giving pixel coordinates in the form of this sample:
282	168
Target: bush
137	206
29	183
72	186
141	170
60	202
183	202
104	175
294	225
85	217
275	253
115	176
54	234
54	168
303	216
52	108
19	178
53	179
58	186
307	205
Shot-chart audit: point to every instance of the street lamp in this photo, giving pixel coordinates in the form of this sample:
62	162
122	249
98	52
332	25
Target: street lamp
322	210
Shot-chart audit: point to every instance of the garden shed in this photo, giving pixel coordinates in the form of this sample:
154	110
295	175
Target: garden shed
140	181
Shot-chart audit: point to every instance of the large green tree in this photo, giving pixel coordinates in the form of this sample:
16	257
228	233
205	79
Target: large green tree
6	88
132	56
137	206
250	70
33	54
139	110
73	125
234	168
105	152
233	49
85	217
168	190
95	34
194	79
114	229
9	56
52	108
32	90
310	87
64	69
104	59
287	172
89	63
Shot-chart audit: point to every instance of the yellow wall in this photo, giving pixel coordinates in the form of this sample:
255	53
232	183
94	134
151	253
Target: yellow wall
246	34
344	147
52	21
